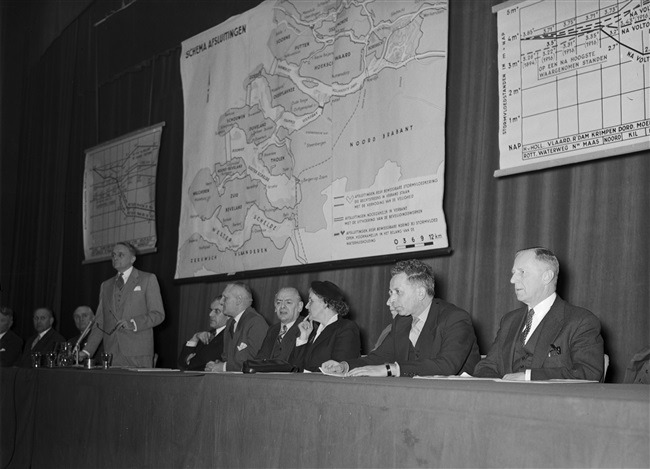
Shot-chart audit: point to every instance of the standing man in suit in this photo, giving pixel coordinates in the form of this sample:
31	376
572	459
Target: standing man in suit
45	338
83	317
245	330
281	337
428	337
130	306
205	346
11	345
548	338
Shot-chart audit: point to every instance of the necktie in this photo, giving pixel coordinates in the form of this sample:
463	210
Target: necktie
283	331
38	337
529	323
231	328
119	281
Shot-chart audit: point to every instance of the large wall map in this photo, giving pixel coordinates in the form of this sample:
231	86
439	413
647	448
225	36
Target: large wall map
314	132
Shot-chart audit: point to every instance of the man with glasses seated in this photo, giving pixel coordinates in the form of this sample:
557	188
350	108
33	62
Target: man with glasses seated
205	346
281	337
130	306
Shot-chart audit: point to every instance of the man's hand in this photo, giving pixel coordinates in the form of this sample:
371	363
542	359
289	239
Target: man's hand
305	327
521	376
370	370
203	336
124	324
334	367
216	365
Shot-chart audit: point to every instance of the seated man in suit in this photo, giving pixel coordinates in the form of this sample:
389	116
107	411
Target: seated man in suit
428	337
548	338
45	338
205	346
10	344
83	316
245	330
281	337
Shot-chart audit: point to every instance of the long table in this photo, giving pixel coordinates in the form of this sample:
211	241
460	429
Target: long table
77	418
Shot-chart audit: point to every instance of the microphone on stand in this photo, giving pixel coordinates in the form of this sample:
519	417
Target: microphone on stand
81	337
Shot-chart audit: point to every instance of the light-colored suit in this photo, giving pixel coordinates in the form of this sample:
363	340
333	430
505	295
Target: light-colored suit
138	300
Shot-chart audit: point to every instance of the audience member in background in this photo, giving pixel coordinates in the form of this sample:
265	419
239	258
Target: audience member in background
548	338
335	338
205	346
11	345
130	306
45	338
83	316
281	337
428	336
245	330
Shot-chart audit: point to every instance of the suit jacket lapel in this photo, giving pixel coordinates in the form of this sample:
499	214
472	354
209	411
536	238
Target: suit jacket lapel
401	330
513	336
291	334
424	340
130	284
551	325
240	327
325	333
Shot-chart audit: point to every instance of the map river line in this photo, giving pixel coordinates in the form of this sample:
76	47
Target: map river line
294	116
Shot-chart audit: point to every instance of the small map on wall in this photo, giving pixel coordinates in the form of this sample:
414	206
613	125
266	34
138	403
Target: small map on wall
119	195
314	132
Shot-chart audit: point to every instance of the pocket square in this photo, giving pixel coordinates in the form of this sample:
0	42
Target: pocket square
2	350
241	346
137	288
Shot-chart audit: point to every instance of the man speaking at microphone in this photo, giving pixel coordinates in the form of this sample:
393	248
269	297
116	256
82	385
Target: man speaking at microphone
130	306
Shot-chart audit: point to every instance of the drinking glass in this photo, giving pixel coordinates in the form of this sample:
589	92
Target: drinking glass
107	360
50	359
36	359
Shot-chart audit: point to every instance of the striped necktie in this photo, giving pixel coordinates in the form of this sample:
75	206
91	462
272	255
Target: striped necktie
119	281
529	323
283	331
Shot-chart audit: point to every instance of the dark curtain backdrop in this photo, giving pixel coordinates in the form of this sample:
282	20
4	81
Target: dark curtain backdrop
95	83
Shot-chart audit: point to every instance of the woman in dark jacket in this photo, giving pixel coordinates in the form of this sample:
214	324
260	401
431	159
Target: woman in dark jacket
335	338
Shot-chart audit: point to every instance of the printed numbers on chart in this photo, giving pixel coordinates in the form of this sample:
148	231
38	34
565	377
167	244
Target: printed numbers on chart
414	239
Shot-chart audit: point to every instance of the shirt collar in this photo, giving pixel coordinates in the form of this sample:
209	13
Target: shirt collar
288	325
127	273
238	317
544	306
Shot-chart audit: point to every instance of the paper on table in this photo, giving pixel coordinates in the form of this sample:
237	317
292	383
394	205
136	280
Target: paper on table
328	373
466	377
463	377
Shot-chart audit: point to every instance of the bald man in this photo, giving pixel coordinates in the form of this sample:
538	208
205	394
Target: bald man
245	330
281	337
82	317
